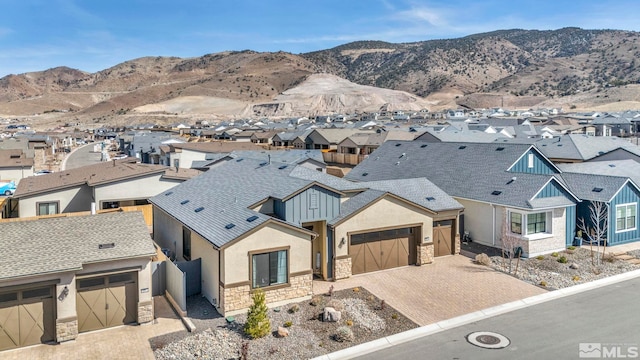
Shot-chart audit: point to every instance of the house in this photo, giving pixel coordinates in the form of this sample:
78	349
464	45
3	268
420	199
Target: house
263	137
366	143
613	125
328	138
311	159
274	226
578	148
15	165
506	189
71	275
105	185
183	155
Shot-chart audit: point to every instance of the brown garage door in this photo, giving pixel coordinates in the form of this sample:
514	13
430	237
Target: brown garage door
27	317
106	301
442	239
380	250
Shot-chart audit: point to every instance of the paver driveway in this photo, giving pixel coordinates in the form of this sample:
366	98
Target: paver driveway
123	342
449	287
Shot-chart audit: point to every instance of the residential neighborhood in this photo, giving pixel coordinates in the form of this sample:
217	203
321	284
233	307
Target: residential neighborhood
158	226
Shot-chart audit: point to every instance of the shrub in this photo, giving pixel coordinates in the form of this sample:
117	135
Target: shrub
540	257
356	289
343	333
555	254
336	304
543	283
316	300
394	316
571	247
562	259
258	324
294	309
576	278
483	259
288	324
349	322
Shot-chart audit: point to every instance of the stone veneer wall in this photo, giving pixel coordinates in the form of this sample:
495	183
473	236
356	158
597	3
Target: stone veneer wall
343	268
66	329
145	312
457	244
238	298
425	254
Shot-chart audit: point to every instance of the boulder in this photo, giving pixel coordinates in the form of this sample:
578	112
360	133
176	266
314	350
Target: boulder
282	332
574	266
331	315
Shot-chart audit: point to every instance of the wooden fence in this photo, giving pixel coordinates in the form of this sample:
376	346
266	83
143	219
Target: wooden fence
147	212
340	158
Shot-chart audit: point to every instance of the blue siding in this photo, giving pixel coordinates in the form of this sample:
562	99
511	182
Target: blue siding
279	209
571	225
628	194
329	253
540	164
312	204
552	189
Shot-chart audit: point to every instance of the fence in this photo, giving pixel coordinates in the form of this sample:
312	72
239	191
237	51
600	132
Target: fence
158	277
340	158
147	212
176	285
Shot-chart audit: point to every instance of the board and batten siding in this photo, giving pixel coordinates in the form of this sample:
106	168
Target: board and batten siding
552	189
540	164
571	224
627	195
313	204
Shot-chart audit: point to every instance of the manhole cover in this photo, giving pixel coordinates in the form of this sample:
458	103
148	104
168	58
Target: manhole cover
488	340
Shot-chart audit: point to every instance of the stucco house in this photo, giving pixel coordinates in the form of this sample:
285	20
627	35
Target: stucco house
506	189
183	155
98	276
107	185
276	226
15	165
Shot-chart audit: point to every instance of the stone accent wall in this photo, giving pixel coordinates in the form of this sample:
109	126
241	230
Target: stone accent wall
145	312
239	297
457	244
343	268
66	329
425	254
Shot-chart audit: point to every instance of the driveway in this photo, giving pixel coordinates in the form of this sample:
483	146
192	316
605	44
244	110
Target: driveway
123	342
451	286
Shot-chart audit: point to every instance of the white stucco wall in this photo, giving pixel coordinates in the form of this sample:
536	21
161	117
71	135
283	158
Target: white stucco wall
203	249
71	200
478	221
131	189
167	232
15	174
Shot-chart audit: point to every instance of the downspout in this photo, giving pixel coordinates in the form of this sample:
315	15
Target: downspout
493	222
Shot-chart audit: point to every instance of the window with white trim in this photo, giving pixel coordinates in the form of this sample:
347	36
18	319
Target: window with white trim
530	223
626	217
269	269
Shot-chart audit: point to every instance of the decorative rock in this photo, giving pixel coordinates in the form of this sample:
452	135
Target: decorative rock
230	319
282	332
573	266
331	315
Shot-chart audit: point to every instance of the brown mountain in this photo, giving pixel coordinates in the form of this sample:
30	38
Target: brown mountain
515	68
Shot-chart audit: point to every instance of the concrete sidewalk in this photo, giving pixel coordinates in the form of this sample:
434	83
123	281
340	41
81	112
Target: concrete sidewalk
451	286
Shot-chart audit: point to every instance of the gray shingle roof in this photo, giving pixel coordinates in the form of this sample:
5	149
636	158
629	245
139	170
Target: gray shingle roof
623	168
66	243
583	147
583	185
355	203
420	191
465	170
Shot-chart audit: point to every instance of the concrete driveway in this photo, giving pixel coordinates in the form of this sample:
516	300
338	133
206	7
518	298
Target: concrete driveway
123	342
449	287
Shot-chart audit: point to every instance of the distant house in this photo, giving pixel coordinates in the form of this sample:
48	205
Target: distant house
72	275
611	125
14	165
183	155
106	185
579	148
263	137
328	138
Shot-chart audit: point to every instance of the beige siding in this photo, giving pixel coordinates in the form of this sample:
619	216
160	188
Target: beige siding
139	188
167	232
15	174
236	257
478	221
203	249
71	200
386	213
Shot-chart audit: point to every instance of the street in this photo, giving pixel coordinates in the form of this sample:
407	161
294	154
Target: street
81	156
604	320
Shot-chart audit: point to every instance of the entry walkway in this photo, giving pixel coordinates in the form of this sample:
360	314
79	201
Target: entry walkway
123	342
451	286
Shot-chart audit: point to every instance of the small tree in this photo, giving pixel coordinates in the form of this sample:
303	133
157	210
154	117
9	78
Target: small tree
258	324
511	245
596	229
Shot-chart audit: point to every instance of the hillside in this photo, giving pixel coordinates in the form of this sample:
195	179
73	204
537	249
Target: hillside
570	67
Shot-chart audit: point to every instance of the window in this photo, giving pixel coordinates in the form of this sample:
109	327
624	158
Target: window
536	223
626	217
49	208
530	161
516	223
186	243
269	268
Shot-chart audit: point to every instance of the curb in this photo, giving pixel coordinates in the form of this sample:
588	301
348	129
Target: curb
437	327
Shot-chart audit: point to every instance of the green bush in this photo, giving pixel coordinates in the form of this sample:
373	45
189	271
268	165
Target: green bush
288	324
555	254
571	247
258	324
540	257
562	260
344	333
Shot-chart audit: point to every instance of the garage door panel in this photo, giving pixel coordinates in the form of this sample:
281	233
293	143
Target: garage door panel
389	253
32	328
372	260
111	302
91	307
9	327
27	319
379	251
404	252
357	258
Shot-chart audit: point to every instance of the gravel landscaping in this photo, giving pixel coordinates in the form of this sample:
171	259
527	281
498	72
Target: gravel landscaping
565	268
365	315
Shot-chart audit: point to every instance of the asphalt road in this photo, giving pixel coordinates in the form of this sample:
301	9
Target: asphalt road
81	156
608	316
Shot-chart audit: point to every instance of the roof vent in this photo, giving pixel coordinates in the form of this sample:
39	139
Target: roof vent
283	167
168	193
239	160
500	149
462	147
229	226
252	218
184	202
199	209
496	192
365	174
597	189
430	198
511	180
423	146
612	165
264	163
398	163
559	144
398	144
107	246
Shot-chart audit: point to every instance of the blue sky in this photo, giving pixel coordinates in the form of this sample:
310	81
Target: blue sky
92	35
